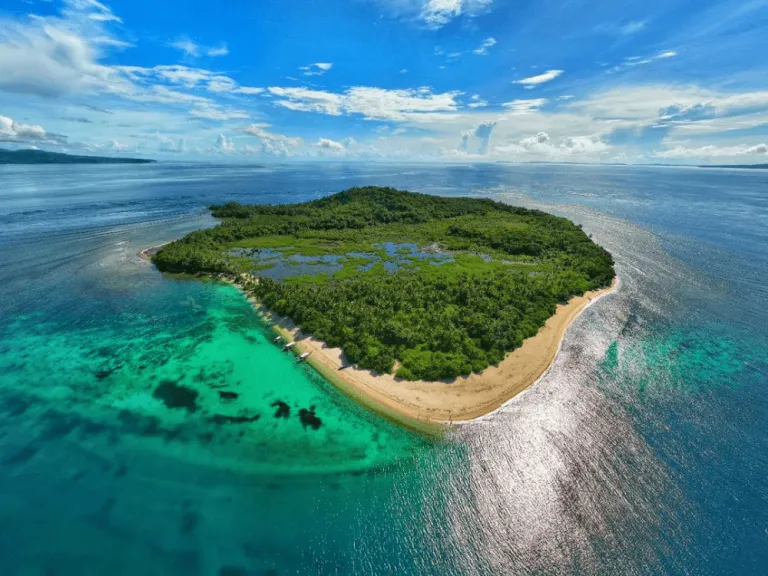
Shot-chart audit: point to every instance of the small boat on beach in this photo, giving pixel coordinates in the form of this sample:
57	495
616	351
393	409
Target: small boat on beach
277	339
303	357
289	346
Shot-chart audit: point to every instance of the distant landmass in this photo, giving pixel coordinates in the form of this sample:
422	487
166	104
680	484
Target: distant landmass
750	166
43	157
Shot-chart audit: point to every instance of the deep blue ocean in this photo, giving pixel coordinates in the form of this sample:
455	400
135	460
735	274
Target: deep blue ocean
643	451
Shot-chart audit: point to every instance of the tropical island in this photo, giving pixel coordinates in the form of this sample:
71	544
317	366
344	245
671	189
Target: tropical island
425	307
29	156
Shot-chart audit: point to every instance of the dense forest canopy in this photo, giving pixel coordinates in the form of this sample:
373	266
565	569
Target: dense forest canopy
432	287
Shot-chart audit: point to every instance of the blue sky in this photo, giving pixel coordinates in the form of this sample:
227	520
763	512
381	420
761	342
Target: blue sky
667	81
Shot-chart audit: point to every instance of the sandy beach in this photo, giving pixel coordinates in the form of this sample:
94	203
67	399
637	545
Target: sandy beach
147	253
422	405
427	406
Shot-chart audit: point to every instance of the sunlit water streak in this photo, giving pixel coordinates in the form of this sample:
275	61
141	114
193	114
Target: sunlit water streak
643	451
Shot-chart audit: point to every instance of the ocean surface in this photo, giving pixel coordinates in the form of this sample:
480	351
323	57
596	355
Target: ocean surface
643	451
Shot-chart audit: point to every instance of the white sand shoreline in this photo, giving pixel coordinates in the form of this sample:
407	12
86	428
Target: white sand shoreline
429	406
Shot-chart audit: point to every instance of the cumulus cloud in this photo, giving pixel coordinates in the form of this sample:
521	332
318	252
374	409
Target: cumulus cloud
483	135
12	131
464	145
535	142
711	151
316	69
542	146
271	143
533	81
371	103
482	50
224	145
330	144
172	145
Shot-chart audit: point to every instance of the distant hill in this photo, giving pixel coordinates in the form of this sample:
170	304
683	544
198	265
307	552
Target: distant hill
750	166
42	157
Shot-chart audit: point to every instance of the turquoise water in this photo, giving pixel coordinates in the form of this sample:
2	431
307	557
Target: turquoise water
149	425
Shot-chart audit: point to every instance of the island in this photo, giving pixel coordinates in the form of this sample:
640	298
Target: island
43	157
425	308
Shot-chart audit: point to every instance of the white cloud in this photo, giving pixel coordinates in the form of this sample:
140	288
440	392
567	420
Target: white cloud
192	49
532	81
434	13
519	107
187	46
437	13
483	49
328	147
584	144
187	77
633	61
711	151
52	56
316	69
372	103
483	135
168	144
224	145
534	142
272	144
248	90
221	84
307	100
210	111
477	102
12	131
95	10
220	50
541	146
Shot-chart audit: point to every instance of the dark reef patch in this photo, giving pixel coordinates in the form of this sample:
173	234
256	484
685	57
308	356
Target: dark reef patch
133	423
102	374
58	424
222	419
309	418
283	410
22	455
16	406
176	396
227	395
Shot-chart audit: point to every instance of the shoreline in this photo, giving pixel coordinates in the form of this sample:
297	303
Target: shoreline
147	253
427	407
